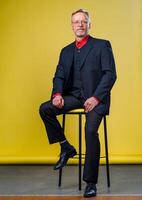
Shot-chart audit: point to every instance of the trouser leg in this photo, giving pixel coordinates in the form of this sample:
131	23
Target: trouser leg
48	113
92	157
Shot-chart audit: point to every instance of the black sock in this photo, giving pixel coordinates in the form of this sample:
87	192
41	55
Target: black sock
65	146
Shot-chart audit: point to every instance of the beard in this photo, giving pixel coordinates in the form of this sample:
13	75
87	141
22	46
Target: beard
81	33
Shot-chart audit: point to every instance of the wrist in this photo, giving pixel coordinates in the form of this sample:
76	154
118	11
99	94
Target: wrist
96	99
56	95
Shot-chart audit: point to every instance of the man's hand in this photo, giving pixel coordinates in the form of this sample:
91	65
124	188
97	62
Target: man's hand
58	101
90	103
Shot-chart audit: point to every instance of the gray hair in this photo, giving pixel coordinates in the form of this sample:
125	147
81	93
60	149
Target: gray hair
81	11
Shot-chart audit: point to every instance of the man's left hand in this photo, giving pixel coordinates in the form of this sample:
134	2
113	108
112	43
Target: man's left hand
90	103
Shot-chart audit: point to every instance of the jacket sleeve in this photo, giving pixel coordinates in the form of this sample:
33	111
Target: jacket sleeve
108	72
58	80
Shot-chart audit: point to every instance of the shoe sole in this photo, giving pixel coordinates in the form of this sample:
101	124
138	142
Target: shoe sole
86	196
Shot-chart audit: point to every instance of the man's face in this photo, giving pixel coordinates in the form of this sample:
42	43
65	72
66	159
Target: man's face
80	25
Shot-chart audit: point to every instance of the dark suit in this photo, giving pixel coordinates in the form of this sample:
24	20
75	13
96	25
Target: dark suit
97	75
97	71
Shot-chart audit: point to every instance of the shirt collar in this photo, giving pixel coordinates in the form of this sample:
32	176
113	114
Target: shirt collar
82	42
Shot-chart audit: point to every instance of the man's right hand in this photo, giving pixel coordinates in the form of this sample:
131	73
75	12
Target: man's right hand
58	101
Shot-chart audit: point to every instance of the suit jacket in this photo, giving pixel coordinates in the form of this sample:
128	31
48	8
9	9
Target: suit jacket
97	68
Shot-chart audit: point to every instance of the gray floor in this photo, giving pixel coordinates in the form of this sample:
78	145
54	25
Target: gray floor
42	180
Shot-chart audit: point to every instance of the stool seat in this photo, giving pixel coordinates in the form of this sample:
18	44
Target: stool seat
80	110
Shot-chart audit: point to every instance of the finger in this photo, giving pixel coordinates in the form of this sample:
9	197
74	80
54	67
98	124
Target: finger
88	105
91	108
87	108
56	103
86	102
62	102
59	105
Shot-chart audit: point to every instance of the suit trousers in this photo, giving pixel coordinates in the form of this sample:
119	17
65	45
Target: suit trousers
48	113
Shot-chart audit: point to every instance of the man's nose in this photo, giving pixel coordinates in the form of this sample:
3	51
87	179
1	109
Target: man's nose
80	23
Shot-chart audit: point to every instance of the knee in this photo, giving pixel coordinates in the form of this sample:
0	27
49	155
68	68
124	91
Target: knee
44	108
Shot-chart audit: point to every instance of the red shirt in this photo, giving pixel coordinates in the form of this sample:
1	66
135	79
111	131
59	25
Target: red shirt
82	42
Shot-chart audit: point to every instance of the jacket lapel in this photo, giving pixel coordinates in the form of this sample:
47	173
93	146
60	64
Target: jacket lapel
70	54
88	48
69	58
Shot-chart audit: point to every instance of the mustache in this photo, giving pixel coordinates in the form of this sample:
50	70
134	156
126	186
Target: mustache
82	29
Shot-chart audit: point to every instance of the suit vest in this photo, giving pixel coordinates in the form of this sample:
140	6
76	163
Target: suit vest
76	83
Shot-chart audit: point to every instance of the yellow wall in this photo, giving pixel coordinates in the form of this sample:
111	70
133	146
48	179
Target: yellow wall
32	33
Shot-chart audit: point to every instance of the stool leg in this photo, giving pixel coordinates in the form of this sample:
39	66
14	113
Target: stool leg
80	149
60	170
60	178
106	152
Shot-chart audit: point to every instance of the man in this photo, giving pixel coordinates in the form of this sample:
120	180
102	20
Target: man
84	77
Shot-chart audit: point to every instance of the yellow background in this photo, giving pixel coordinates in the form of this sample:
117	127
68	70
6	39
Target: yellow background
32	33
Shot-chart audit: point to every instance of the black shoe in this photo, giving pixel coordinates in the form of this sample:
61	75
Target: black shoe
90	190
64	156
